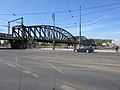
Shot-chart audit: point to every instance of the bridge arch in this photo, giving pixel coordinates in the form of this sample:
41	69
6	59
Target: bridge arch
43	33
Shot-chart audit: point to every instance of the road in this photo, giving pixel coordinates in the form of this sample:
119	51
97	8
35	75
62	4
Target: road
59	69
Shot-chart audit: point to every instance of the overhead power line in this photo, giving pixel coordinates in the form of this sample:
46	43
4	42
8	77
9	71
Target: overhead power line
48	12
88	13
101	11
71	13
109	20
66	11
101	6
100	21
8	10
6	14
4	25
4	19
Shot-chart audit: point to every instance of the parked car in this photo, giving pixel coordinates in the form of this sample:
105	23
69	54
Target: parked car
87	49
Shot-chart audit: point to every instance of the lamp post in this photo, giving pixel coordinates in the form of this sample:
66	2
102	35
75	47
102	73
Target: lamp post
53	17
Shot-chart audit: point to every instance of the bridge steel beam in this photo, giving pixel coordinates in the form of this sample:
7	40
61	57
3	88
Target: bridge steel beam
44	33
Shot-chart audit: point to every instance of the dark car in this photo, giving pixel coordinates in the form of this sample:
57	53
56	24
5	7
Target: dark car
87	49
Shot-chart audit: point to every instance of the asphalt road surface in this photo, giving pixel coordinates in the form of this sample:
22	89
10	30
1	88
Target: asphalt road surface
59	70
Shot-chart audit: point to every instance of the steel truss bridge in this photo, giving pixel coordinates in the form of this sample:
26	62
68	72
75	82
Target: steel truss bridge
22	35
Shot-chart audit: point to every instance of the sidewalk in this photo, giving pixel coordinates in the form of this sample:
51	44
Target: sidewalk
63	49
105	51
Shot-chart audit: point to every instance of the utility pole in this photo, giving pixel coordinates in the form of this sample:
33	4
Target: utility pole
80	27
53	17
14	21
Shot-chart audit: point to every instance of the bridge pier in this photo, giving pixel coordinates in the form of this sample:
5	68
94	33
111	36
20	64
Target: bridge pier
18	44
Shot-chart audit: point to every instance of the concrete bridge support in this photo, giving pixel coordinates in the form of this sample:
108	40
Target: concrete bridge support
18	44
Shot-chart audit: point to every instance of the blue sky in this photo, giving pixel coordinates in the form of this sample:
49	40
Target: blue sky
100	22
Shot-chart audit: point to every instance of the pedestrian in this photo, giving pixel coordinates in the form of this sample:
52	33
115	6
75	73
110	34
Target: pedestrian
117	48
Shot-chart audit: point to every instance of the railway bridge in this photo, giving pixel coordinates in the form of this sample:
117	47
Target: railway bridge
21	35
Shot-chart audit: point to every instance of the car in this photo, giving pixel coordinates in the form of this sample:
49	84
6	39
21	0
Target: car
87	49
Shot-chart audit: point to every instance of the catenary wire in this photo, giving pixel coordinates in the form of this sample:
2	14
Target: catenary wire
66	11
7	10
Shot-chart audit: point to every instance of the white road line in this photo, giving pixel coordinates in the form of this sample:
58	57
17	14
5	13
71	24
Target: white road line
26	71
54	67
65	87
18	65
30	73
16	61
11	65
2	60
35	75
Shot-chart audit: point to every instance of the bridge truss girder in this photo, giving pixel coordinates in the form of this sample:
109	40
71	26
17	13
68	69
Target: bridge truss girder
44	33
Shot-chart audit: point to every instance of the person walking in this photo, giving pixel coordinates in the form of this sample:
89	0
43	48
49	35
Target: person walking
117	48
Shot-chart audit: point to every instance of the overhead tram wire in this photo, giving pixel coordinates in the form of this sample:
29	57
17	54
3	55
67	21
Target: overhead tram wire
100	11
106	20
101	21
12	13
71	13
4	19
8	10
101	6
85	14
4	25
93	13
88	13
66	11
6	14
57	12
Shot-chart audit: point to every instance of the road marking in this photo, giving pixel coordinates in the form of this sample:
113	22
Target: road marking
14	64
2	60
68	68
74	86
11	65
22	66
35	75
65	87
26	71
54	67
30	73
16	61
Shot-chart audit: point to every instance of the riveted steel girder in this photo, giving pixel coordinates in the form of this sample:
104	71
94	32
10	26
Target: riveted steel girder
43	33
